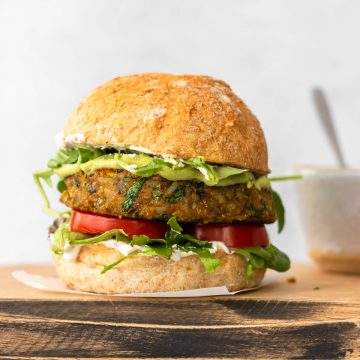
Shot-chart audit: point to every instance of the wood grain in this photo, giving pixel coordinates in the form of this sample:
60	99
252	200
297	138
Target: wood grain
266	324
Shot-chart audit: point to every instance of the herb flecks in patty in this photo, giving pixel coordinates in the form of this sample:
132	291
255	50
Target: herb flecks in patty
176	195
161	199
132	193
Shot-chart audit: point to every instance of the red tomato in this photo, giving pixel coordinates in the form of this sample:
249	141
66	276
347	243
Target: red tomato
88	223
232	235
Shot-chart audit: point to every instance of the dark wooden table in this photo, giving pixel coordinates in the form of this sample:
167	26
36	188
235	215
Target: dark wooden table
303	314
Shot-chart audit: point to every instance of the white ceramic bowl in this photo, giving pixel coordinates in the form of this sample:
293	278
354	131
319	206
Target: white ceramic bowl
329	203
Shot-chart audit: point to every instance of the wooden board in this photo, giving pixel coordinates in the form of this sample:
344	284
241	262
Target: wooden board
315	317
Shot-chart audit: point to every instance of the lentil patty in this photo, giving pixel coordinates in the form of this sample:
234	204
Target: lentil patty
107	192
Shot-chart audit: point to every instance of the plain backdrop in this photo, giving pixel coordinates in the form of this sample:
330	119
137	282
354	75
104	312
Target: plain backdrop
272	52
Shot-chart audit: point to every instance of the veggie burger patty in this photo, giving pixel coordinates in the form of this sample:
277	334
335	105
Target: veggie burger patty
122	194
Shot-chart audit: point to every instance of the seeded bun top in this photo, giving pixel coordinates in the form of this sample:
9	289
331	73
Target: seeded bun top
178	115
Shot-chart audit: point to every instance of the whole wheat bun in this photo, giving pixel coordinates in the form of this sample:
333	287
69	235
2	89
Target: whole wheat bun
178	115
144	274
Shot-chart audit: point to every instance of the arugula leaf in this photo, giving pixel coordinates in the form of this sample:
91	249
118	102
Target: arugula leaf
153	250
264	257
73	156
118	234
210	261
132	193
68	161
158	249
116	263
142	240
61	237
64	236
249	271
285	178
279	261
174	225
256	261
61	186
175	236
257	257
279	210
253	262
45	175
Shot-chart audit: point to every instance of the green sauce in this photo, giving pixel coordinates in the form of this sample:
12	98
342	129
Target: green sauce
173	170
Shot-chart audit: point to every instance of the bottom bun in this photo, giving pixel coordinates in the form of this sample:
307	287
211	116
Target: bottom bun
331	261
145	274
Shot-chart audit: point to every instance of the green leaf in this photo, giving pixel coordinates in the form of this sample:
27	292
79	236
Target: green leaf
142	240
157	249
256	261
116	263
279	210
132	193
174	225
69	161
265	257
108	235
73	156
285	178
61	186
46	176
249	272
207	170
175	236
279	260
152	168
210	261
61	238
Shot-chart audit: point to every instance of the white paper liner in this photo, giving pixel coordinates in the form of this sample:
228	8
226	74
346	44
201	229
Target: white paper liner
55	284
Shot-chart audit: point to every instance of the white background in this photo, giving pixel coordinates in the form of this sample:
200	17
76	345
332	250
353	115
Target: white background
52	53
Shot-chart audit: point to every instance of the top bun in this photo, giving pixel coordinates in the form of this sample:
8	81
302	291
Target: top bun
178	115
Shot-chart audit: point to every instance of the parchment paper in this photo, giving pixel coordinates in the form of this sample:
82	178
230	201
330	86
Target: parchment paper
55	284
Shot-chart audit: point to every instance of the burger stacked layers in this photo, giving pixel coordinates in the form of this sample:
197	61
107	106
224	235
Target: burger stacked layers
166	179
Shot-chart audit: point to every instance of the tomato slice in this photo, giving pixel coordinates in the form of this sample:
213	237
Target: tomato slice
232	235
88	223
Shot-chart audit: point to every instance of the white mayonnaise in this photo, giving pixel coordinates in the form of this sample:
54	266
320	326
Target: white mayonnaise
217	246
124	248
178	254
141	149
62	140
74	139
71	252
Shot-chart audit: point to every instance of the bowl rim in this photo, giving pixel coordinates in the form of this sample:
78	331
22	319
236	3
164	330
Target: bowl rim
314	170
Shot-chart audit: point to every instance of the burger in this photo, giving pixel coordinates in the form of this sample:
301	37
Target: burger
166	181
